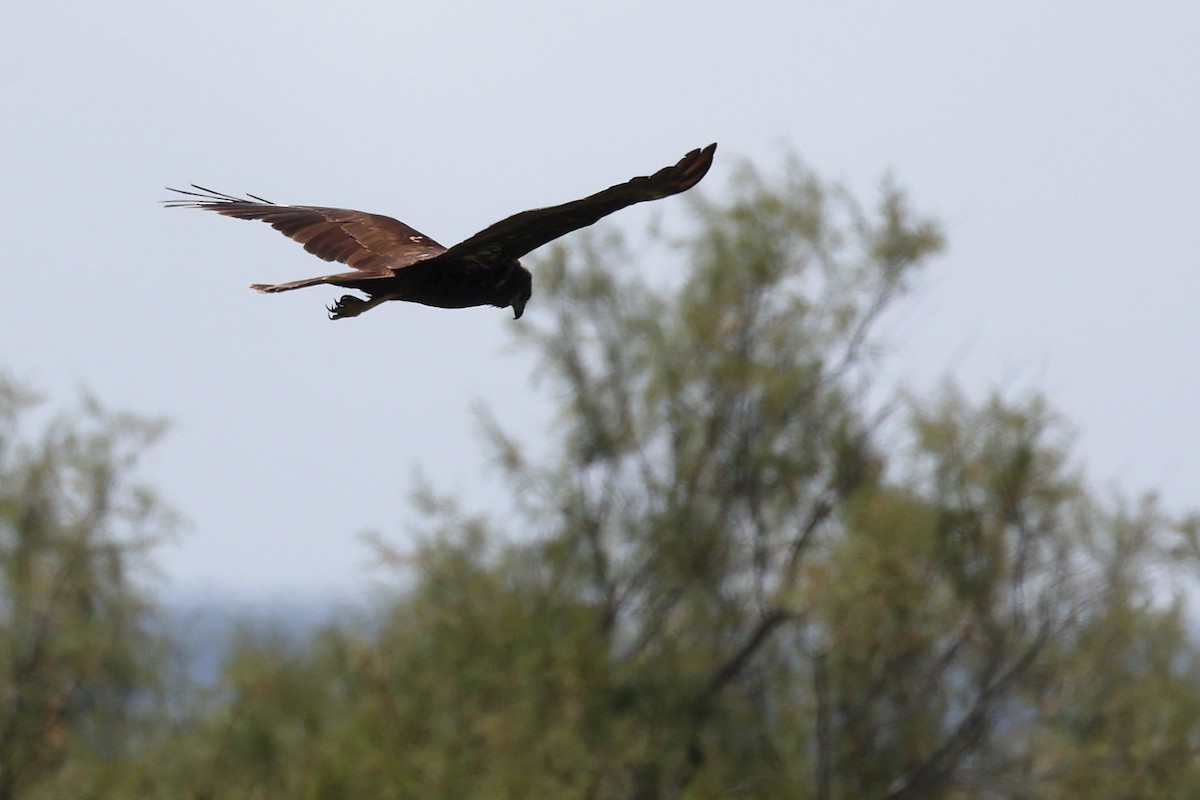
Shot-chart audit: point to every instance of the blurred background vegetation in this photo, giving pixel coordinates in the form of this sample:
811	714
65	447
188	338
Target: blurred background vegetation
739	567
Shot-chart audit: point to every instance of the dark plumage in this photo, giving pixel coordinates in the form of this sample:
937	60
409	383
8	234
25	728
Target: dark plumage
392	261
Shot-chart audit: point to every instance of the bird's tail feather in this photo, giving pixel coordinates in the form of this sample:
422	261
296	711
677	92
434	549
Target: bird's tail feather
359	279
271	288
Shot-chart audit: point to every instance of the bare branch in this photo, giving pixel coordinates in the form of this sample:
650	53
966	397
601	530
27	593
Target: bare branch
722	677
926	777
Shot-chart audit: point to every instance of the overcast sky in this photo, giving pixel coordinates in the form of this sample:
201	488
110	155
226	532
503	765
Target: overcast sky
1057	142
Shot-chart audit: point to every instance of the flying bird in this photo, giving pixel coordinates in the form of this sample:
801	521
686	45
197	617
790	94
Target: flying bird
392	261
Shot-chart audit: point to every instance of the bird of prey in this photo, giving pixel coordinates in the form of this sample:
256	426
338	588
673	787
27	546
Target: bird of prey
392	261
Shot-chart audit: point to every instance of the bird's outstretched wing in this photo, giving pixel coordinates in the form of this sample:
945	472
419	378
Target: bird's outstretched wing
529	230
371	243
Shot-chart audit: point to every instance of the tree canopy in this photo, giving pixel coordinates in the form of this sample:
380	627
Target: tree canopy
742	568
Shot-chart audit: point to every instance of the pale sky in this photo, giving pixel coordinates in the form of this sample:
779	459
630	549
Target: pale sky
1057	142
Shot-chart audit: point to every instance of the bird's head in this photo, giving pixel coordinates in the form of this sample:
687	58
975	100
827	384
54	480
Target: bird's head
516	288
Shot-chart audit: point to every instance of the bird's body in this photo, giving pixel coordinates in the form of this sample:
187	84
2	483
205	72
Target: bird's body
392	261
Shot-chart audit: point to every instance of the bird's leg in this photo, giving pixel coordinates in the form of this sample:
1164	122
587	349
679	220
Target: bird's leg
351	306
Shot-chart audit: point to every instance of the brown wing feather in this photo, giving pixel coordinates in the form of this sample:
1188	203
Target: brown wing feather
519	234
371	243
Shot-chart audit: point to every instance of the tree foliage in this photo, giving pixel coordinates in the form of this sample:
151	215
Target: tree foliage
740	569
733	575
78	650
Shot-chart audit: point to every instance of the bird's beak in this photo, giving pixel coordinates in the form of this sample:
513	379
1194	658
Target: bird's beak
518	307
